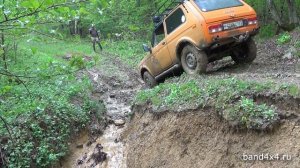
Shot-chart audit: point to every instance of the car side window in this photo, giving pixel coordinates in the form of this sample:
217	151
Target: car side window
159	35
176	19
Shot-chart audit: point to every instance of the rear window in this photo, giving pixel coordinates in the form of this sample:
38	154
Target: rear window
210	5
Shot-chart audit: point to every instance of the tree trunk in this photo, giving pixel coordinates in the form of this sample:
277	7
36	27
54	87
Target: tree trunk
282	24
76	26
293	18
274	12
4	49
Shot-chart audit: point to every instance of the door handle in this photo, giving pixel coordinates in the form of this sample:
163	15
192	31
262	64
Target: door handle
164	43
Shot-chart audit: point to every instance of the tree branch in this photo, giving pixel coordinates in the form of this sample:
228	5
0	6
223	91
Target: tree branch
19	80
7	127
3	10
37	10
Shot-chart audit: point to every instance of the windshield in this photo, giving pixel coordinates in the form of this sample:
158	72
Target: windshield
210	5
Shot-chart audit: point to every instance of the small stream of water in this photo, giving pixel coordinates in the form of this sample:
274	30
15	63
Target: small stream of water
81	151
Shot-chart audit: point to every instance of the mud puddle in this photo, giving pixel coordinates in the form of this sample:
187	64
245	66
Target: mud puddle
116	88
85	154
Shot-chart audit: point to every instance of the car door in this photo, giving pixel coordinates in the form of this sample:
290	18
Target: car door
176	28
161	59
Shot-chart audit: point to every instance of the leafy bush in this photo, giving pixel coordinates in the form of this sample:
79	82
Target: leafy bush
267	31
284	38
247	113
77	61
40	108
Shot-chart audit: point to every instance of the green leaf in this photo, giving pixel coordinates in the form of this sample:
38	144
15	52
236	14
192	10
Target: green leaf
35	3
26	4
31	4
33	50
6	89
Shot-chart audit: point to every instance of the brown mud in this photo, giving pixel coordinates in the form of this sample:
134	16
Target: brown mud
271	64
115	84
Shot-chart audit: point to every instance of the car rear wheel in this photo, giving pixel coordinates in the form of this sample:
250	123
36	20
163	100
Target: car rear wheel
193	61
246	53
149	80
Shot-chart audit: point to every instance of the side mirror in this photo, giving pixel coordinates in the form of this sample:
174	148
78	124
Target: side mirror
156	19
146	48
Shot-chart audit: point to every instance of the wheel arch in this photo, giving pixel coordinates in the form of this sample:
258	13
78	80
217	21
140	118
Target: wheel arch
143	70
180	47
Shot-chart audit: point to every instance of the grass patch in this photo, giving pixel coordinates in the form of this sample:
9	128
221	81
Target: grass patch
232	98
131	52
284	38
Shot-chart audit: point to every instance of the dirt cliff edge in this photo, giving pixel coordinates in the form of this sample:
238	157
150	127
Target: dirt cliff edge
199	138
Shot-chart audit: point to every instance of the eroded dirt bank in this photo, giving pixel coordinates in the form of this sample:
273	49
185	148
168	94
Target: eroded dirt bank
200	138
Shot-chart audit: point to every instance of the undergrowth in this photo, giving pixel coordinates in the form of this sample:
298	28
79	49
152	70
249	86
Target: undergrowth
43	103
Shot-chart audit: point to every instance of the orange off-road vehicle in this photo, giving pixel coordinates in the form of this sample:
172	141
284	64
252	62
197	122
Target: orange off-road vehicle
195	32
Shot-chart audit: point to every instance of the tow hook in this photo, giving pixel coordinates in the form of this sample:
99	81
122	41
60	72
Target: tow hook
242	37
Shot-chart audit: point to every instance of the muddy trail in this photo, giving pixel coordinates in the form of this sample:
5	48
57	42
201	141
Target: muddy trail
279	63
114	85
174	140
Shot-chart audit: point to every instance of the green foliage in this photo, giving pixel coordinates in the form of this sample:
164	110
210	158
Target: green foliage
294	90
172	94
267	31
284	38
228	96
251	115
77	61
44	115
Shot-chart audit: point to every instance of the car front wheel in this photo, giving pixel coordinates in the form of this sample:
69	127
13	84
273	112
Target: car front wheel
193	61
149	80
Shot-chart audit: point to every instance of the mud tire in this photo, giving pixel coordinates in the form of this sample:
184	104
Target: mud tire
193	61
245	54
149	80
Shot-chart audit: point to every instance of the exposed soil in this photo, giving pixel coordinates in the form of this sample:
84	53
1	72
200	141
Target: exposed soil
201	139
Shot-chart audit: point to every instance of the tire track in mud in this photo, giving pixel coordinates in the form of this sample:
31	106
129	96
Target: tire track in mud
260	70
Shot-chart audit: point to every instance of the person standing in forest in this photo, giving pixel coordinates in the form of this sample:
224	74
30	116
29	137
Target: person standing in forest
95	37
